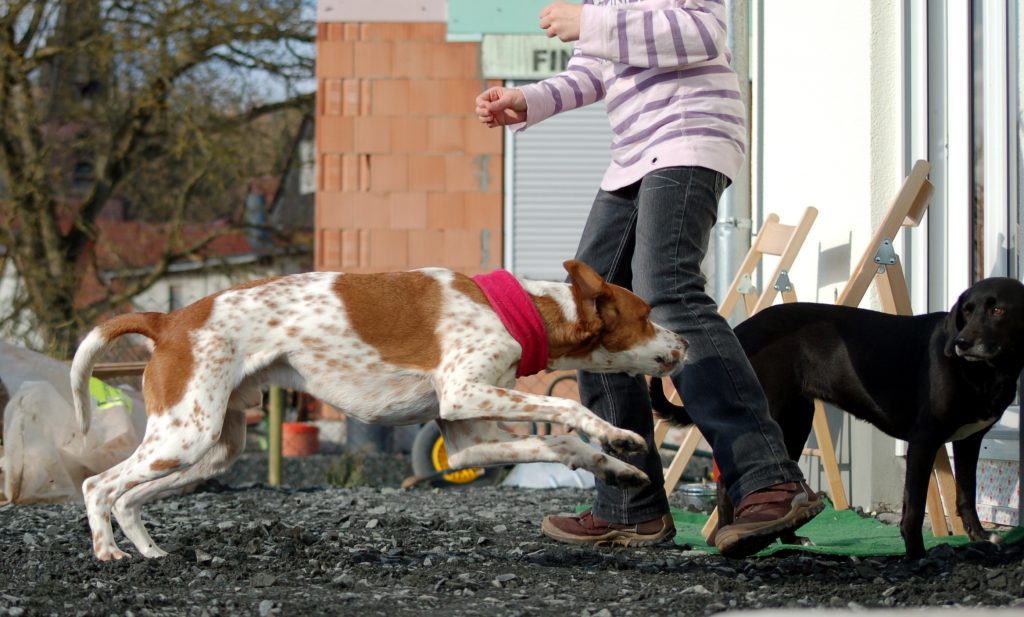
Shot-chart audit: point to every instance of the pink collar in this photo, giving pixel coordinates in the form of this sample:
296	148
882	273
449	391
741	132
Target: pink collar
521	318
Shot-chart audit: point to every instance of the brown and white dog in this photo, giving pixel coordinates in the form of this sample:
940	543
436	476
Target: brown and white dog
395	348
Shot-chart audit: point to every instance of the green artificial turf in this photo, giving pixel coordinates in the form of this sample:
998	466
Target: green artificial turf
832	532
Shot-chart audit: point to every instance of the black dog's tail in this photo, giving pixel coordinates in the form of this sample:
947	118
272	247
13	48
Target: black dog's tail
664	408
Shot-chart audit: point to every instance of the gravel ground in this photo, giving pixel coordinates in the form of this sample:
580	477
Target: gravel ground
252	550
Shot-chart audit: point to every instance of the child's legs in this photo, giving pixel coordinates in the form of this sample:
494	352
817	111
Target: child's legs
607	245
677	209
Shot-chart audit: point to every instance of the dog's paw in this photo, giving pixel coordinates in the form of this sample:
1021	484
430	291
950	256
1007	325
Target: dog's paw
624	443
626	478
113	554
153	552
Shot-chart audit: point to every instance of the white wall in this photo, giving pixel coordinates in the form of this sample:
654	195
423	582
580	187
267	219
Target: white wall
831	138
816	137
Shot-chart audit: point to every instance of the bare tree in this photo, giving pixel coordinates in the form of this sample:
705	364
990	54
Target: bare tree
153	105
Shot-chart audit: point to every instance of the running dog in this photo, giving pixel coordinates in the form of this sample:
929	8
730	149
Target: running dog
394	348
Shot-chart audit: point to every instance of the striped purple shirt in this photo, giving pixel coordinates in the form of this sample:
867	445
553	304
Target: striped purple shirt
662	67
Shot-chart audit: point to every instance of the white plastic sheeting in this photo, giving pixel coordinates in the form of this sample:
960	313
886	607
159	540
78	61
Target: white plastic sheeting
548	475
45	457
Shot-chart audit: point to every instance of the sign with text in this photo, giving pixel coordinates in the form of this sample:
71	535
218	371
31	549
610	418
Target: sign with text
517	56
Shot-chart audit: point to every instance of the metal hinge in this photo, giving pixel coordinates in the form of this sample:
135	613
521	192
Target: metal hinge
783	283
886	255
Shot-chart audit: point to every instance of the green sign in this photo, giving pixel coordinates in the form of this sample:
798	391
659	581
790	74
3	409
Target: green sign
510	56
471	19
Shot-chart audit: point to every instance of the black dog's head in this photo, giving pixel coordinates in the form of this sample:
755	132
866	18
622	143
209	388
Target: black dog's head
987	322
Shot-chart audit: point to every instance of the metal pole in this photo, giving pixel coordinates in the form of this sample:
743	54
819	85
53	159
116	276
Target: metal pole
274	421
732	233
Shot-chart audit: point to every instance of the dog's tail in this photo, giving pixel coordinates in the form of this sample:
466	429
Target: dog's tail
666	409
97	342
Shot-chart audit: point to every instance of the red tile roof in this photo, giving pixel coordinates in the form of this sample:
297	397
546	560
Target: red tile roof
132	244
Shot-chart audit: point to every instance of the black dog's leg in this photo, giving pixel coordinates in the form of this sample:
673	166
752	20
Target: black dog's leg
965	462
920	461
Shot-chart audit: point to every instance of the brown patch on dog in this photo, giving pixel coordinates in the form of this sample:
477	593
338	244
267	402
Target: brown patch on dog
397	313
625	319
565	338
465	286
173	362
164	464
607	315
147	324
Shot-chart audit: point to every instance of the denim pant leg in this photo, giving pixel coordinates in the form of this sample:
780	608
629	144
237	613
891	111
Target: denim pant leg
676	211
607	246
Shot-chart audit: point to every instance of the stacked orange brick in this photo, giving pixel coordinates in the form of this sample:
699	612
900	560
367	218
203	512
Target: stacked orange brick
407	177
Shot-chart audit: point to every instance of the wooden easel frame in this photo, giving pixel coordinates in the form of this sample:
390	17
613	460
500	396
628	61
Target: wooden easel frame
880	264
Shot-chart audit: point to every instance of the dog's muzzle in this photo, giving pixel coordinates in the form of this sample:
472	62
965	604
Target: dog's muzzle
670	362
971	350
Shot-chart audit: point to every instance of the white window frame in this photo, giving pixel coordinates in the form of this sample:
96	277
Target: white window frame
937	76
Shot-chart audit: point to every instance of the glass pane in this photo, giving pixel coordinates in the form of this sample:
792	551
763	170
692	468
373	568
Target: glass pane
977	143
1017	145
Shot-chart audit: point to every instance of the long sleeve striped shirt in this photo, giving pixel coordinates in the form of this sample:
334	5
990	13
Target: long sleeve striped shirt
663	70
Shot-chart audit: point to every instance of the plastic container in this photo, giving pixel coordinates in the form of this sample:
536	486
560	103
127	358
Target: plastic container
299	439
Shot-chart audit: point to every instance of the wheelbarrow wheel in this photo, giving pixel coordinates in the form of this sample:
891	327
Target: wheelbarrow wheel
430	460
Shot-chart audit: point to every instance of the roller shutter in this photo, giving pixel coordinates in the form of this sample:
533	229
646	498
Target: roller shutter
554	173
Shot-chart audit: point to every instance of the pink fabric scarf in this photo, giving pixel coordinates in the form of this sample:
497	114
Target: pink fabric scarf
521	318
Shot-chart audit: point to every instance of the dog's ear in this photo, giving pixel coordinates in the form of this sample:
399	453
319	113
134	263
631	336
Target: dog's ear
587	287
589	283
954	324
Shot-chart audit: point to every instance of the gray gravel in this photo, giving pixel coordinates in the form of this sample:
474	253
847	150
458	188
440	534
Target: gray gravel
252	550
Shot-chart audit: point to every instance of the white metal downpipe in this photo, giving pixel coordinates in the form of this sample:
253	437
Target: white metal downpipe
732	232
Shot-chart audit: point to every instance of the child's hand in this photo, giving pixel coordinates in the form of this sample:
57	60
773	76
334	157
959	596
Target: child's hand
500	106
561	19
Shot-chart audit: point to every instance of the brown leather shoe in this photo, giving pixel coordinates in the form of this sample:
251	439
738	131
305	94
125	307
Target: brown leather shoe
764	515
586	528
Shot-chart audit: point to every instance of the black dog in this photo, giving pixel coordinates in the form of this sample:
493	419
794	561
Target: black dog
928	379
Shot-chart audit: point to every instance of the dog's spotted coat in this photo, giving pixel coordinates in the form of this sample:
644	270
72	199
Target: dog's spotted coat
396	348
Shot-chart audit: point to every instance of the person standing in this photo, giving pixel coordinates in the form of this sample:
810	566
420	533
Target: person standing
679	135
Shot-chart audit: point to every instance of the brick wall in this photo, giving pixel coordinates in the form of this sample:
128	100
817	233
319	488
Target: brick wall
407	177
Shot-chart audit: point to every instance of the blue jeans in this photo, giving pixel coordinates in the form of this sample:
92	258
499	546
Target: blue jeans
651	237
